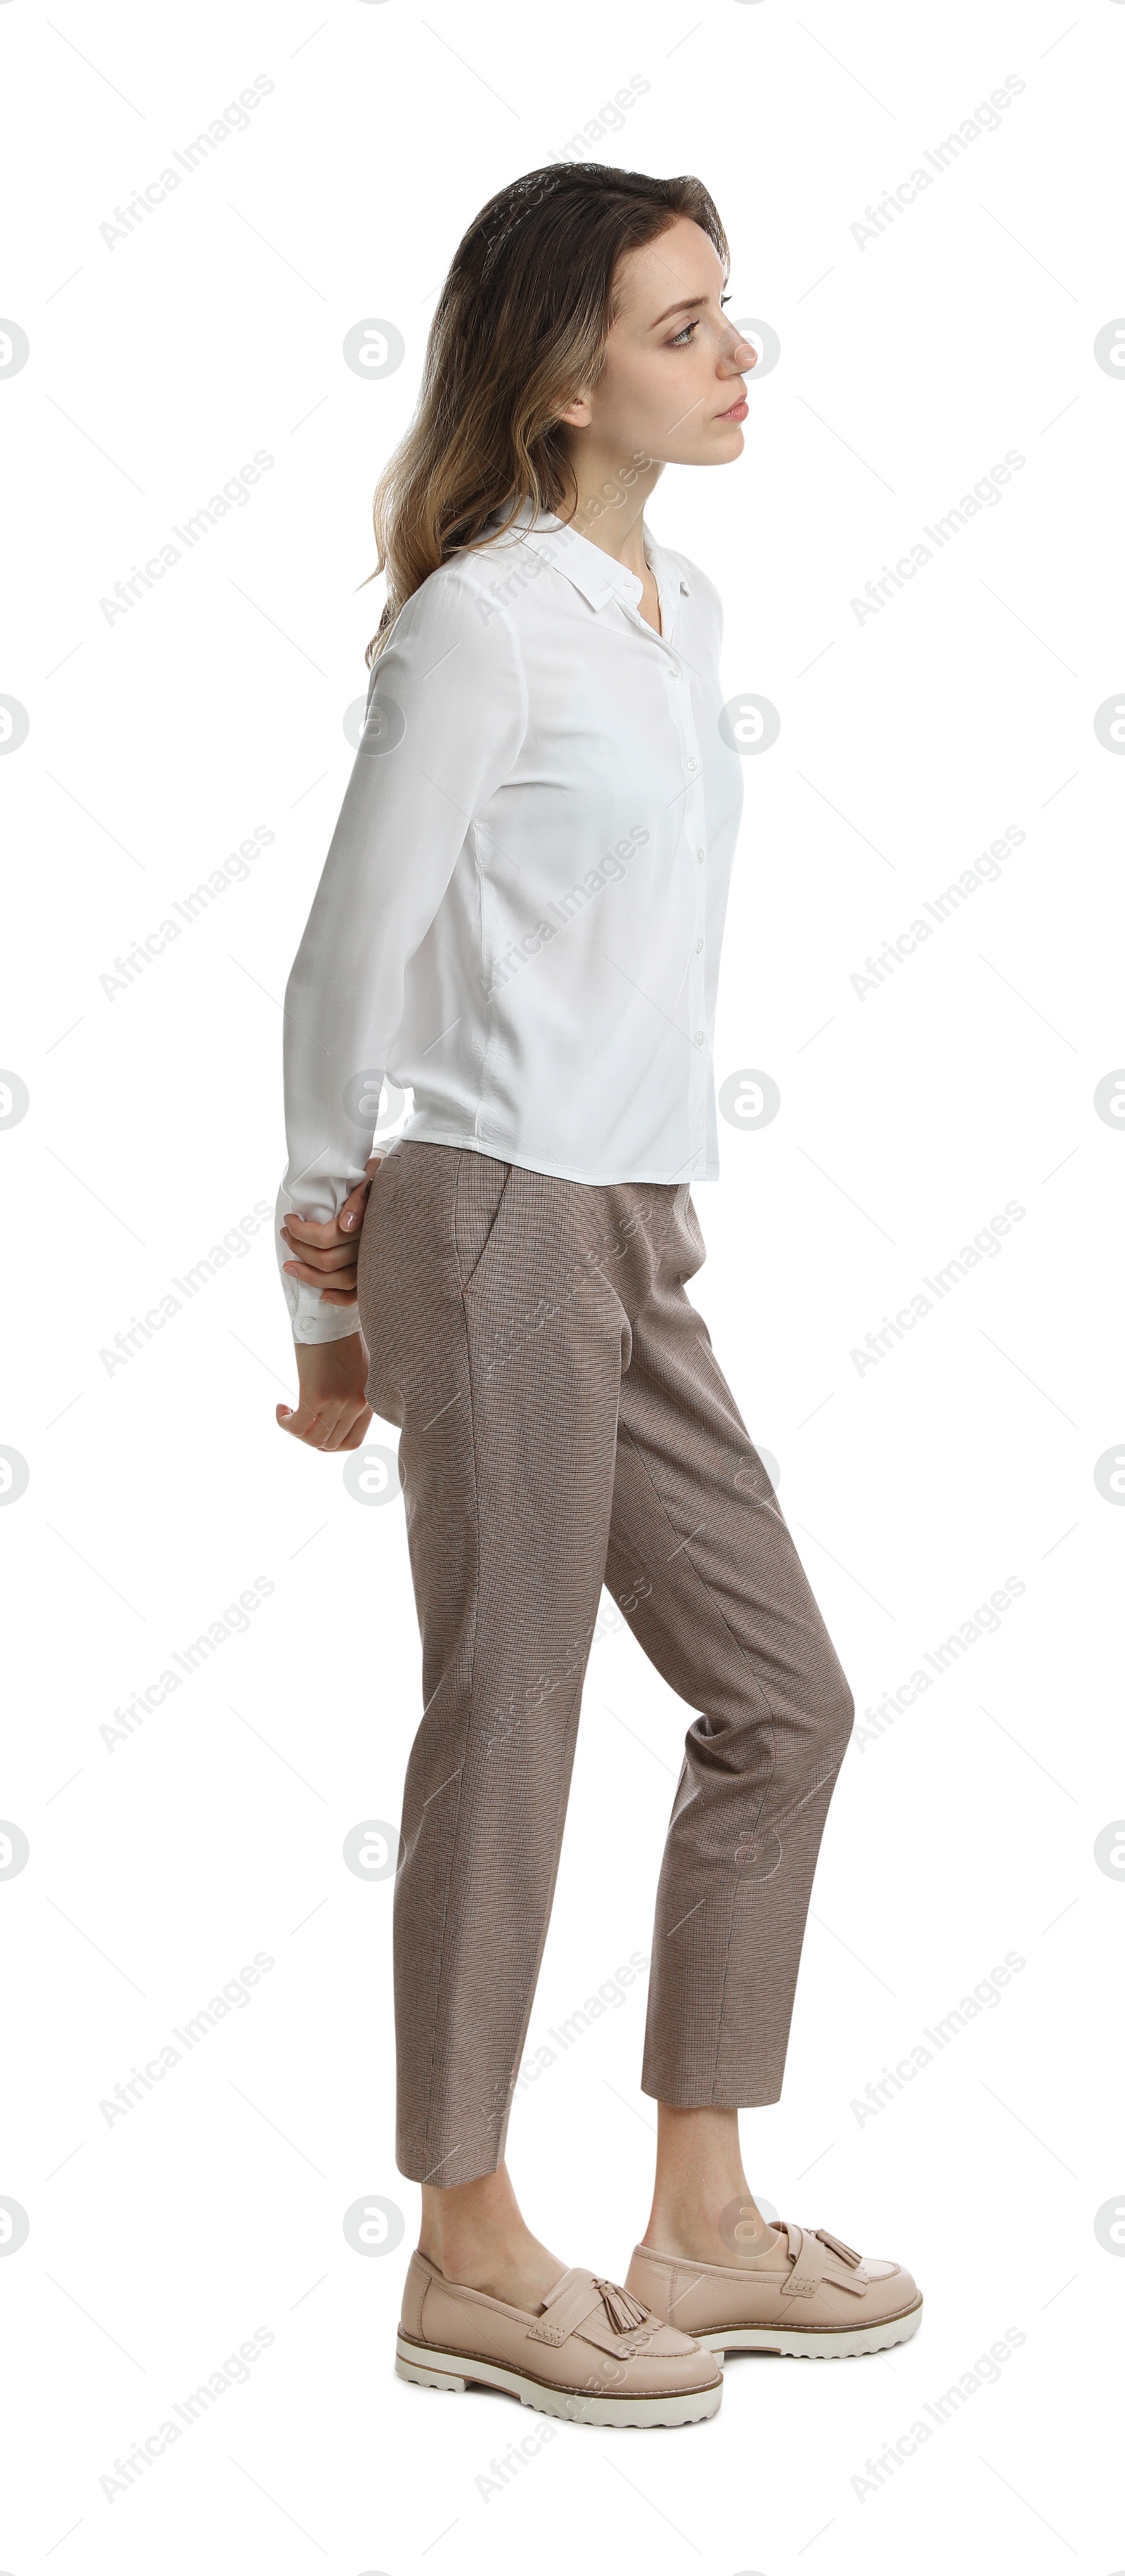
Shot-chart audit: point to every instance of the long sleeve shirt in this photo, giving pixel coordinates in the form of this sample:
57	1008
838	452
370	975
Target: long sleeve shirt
520	915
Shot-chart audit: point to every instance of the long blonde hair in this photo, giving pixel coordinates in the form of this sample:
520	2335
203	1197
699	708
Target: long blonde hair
519	331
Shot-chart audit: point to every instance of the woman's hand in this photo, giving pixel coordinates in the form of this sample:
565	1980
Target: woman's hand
327	1254
332	1411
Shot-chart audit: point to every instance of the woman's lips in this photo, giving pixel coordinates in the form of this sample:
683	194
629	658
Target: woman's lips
737	410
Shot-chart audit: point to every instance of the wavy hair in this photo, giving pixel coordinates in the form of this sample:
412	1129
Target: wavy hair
519	332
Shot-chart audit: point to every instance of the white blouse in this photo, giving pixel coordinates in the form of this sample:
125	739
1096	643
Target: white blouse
520	914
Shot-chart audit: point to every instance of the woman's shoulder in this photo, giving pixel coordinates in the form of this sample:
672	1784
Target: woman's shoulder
459	600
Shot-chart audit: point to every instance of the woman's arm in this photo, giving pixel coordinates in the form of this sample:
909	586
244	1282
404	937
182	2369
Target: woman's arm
446	718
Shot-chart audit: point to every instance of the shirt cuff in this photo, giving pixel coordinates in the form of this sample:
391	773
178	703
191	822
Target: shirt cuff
332	1324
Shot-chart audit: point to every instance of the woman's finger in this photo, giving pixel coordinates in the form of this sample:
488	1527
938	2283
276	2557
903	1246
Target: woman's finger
305	1232
318	1278
310	1229
358	1433
351	1214
335	1256
298	1419
328	1426
347	1431
315	1424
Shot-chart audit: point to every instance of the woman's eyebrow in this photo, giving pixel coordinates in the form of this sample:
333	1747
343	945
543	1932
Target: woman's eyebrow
687	305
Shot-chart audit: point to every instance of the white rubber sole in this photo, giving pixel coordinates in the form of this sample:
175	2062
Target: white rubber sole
797	2345
427	2368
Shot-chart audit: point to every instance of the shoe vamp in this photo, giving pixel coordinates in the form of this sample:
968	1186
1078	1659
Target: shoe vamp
765	2299
612	2371
851	2301
662	2342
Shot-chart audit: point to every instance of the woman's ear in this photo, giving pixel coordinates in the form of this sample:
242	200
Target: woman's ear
577	414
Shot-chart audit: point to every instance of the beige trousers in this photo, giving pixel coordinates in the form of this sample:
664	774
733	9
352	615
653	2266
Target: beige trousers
564	1423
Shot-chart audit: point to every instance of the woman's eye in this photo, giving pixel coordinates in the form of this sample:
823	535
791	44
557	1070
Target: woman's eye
682	339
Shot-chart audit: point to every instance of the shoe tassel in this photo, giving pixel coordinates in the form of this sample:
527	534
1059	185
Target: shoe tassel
847	2253
623	2310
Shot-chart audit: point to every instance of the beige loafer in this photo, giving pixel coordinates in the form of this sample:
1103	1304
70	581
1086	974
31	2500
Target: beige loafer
810	2297
592	2353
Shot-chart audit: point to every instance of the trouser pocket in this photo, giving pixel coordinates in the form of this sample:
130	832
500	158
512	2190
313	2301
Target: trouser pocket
477	1201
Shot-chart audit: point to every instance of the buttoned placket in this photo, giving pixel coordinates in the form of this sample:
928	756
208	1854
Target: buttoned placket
692	846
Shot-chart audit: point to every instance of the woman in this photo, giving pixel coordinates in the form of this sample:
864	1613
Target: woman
520	918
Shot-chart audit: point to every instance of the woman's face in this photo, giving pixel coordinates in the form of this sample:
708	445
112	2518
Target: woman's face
672	386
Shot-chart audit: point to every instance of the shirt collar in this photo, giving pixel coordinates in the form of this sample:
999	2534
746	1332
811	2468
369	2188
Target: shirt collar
597	575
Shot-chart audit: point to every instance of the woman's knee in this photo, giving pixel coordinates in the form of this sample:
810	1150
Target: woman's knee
837	1712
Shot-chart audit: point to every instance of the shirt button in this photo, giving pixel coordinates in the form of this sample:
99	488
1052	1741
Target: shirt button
700	856
699	948
674	672
701	1037
693	763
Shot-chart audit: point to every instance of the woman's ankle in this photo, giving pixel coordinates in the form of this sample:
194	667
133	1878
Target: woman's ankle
468	2215
476	2234
518	2270
460	2243
731	2233
703	2209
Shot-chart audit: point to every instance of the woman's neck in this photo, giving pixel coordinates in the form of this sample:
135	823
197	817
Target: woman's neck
612	493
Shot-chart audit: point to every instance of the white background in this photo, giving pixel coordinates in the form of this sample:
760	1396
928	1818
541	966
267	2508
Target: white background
160	1488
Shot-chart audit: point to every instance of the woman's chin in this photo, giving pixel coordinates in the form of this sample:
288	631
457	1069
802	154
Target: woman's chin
728	439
